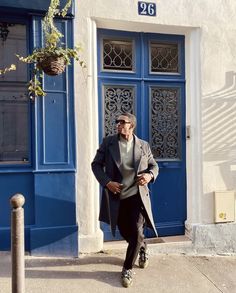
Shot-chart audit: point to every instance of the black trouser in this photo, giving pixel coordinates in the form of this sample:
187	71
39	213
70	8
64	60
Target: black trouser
131	223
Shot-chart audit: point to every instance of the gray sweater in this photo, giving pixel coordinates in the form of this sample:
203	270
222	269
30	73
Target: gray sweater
127	168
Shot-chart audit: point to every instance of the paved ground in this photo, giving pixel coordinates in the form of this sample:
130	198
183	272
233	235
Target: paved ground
101	273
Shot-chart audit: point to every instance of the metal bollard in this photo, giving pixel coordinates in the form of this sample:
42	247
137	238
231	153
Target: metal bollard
17	244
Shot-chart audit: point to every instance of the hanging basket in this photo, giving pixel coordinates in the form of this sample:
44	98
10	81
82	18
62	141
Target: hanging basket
52	65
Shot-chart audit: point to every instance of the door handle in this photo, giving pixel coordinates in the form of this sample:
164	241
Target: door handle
188	132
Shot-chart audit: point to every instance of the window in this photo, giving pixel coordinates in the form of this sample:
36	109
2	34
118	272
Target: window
164	57
118	55
14	101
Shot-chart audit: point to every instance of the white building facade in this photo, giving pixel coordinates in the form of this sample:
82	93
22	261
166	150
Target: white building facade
206	76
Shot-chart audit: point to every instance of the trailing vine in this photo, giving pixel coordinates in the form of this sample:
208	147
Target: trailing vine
52	48
7	69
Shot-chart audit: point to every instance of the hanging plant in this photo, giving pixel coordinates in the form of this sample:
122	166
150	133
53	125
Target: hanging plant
53	58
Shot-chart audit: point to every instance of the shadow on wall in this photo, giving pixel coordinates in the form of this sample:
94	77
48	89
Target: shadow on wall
219	138
55	232
219	128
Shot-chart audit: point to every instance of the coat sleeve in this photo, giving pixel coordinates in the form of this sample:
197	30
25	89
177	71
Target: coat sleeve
98	164
152	164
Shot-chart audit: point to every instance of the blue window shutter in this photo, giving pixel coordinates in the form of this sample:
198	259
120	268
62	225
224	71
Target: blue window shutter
54	113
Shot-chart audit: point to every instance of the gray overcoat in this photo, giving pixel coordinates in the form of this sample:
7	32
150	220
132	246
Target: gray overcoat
106	167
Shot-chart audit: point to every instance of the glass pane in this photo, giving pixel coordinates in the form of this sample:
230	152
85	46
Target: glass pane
14	102
117	55
13	43
165	123
117	100
164	58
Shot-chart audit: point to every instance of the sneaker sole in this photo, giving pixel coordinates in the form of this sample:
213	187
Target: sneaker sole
143	265
126	284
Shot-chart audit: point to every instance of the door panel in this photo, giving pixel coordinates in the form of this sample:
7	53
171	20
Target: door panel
167	141
155	92
165	122
117	96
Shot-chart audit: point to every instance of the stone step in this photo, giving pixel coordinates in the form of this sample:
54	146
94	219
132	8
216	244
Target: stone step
168	245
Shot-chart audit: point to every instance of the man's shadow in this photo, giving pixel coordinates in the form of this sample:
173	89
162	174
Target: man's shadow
87	267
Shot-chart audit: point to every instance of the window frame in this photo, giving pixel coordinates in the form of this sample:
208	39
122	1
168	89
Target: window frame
19	166
150	58
136	51
132	41
169	39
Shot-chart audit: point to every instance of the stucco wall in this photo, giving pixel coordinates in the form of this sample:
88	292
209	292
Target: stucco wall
209	27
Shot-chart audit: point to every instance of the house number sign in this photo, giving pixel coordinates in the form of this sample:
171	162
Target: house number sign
146	8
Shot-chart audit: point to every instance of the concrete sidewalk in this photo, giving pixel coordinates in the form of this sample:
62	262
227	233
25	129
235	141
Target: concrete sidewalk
101	273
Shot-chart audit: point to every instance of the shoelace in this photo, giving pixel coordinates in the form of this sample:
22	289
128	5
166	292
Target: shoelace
127	274
143	255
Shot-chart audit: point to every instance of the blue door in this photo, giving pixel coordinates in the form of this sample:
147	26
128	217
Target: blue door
144	74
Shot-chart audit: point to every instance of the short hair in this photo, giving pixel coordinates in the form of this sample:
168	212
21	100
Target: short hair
131	117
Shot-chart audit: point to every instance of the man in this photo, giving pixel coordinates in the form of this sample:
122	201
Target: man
124	165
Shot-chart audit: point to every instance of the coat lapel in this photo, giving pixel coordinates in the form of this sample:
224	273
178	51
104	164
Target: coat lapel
115	150
137	153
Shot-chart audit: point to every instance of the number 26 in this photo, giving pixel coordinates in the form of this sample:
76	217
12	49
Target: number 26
147	9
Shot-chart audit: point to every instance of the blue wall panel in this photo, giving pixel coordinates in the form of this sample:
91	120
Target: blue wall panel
55	130
16	183
55	231
55	83
54	241
55	199
10	185
54	113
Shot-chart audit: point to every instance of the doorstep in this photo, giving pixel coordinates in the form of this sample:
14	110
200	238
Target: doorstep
168	245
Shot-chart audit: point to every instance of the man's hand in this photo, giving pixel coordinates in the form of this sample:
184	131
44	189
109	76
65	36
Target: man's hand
144	178
114	187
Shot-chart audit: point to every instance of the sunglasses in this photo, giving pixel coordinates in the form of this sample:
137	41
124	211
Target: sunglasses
122	122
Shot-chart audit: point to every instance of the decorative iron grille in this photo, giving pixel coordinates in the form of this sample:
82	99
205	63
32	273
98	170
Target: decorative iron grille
117	100
164	58
117	55
165	123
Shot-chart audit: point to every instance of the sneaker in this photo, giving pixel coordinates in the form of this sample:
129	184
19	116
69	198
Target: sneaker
143	258
126	278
